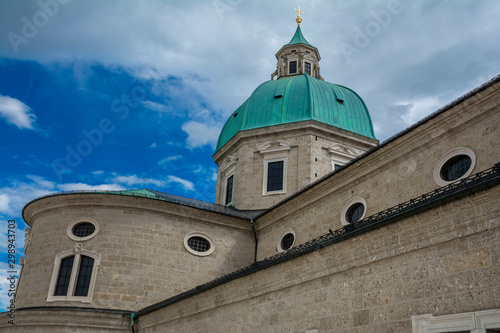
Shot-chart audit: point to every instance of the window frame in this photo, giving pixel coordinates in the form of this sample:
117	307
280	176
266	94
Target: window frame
69	230
310	68
438	179
274	151
266	175
280	240
290	67
201	235
348	206
78	252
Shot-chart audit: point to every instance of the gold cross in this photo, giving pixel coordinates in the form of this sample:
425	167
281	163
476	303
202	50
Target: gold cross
298	19
299	11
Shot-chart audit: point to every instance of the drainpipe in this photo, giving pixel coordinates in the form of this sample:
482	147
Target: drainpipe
132	321
256	241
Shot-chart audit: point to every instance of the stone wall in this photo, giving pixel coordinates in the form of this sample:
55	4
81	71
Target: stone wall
442	261
140	241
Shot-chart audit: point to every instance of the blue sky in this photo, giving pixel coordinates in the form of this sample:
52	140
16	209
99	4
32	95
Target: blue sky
101	95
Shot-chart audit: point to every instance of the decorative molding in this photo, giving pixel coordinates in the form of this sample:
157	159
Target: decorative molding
341	154
274	147
78	247
228	162
343	151
27	239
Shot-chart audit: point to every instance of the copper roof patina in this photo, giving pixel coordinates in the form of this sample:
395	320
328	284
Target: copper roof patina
299	98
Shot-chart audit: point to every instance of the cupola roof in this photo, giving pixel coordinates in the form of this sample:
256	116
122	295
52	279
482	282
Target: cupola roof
299	98
298	38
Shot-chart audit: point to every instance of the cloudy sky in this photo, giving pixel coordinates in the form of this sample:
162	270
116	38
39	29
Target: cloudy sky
132	94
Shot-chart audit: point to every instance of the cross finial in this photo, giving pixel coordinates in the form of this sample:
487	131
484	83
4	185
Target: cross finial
298	19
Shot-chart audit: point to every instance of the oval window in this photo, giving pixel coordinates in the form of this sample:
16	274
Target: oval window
199	244
456	167
456	164
287	241
83	229
355	212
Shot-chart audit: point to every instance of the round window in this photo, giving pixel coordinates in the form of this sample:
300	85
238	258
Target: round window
355	212
456	167
199	244
83	229
287	241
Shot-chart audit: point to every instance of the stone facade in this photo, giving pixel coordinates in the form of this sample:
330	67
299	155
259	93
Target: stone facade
308	155
140	242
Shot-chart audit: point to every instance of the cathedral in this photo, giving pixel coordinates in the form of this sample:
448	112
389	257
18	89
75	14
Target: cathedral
316	226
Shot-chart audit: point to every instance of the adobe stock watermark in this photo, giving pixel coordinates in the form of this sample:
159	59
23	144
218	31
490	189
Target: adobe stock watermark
95	136
30	28
222	6
363	37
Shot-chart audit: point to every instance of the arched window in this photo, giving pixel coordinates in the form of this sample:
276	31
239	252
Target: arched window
74	275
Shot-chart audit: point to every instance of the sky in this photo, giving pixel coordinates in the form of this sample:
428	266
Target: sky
116	95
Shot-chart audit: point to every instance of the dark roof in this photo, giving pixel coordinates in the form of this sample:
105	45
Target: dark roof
231	211
157	195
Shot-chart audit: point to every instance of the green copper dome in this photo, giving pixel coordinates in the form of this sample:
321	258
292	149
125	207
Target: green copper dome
299	98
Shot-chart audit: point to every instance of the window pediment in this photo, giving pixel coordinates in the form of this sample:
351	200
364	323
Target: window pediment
342	150
228	162
275	146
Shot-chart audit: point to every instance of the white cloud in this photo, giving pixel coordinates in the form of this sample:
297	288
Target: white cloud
418	109
86	187
200	134
14	197
169	159
185	183
16	112
153	145
132	180
155	106
98	172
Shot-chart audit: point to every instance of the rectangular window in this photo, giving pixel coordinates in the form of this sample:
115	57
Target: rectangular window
293	67
307	68
275	176
229	190
336	167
